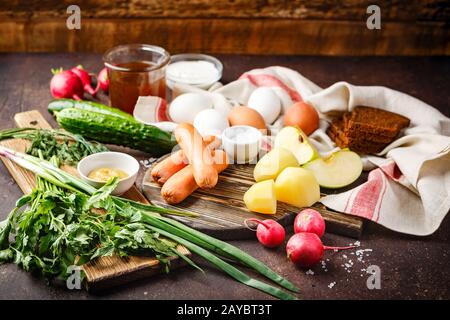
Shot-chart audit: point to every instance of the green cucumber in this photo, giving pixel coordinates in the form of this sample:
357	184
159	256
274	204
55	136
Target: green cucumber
61	104
115	130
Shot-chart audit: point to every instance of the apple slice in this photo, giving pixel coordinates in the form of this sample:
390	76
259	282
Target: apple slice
298	187
261	197
338	170
272	163
296	141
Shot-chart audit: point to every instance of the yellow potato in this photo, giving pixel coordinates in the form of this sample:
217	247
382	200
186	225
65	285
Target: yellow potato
261	197
269	166
298	187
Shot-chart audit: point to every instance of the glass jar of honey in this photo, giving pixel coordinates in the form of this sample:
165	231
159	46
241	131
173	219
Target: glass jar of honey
135	70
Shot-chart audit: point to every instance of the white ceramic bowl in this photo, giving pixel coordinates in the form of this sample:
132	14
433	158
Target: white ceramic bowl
114	160
242	143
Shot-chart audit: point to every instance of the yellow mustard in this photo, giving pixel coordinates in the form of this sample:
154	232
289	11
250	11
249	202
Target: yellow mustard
103	174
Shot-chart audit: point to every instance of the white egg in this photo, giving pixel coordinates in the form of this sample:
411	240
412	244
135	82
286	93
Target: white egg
185	107
286	100
221	104
210	122
266	102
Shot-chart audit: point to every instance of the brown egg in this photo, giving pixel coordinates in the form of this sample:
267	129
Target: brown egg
240	116
302	115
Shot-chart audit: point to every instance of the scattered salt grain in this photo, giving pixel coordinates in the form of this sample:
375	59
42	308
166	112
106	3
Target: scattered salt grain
332	284
309	272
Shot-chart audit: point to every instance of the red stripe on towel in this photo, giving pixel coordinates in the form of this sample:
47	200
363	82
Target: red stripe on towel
161	111
384	179
392	170
369	193
265	80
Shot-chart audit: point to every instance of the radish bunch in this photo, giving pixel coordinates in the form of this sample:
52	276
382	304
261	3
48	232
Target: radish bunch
75	82
304	248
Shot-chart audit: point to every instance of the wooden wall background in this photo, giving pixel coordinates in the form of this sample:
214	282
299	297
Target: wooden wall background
307	27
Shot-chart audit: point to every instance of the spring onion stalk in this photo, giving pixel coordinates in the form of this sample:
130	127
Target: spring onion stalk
228	250
48	171
194	240
227	268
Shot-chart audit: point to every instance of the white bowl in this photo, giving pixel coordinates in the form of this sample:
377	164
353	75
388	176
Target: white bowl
246	147
114	160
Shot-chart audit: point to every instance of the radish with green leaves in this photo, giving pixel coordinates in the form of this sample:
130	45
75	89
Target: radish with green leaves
305	249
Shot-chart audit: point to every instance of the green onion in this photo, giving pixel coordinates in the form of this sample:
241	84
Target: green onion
228	268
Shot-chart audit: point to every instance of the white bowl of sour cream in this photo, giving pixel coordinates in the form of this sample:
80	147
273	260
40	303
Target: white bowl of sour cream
242	143
97	168
192	69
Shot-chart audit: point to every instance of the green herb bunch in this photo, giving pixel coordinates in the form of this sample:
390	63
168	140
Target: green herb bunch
67	147
59	229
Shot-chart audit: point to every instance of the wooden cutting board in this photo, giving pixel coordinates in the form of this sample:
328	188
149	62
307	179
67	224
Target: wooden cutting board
104	272
222	211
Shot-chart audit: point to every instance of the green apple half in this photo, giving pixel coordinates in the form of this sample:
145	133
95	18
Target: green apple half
296	141
338	170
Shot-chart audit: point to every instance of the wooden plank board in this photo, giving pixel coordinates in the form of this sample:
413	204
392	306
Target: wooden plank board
222	210
235	36
106	271
294	9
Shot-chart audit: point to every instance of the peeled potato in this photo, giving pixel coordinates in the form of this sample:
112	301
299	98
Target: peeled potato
272	163
297	187
261	197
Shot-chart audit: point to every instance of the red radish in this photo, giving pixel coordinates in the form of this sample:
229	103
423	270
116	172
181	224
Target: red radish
309	220
85	79
306	249
269	232
103	80
66	84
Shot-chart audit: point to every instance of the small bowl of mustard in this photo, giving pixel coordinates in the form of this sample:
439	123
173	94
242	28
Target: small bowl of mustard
96	169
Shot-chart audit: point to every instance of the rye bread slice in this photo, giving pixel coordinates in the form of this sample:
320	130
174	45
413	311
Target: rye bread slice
365	132
359	145
338	127
375	121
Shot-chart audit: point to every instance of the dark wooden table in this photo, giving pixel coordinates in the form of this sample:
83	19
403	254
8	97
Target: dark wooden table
411	267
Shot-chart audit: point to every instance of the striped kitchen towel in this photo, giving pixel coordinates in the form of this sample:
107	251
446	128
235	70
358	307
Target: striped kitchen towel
408	189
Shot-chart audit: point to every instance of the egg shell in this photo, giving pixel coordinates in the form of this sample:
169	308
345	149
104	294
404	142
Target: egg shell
210	122
266	102
186	107
302	115
245	116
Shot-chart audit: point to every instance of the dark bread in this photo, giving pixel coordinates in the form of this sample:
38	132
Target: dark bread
366	130
376	121
359	147
338	125
362	146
